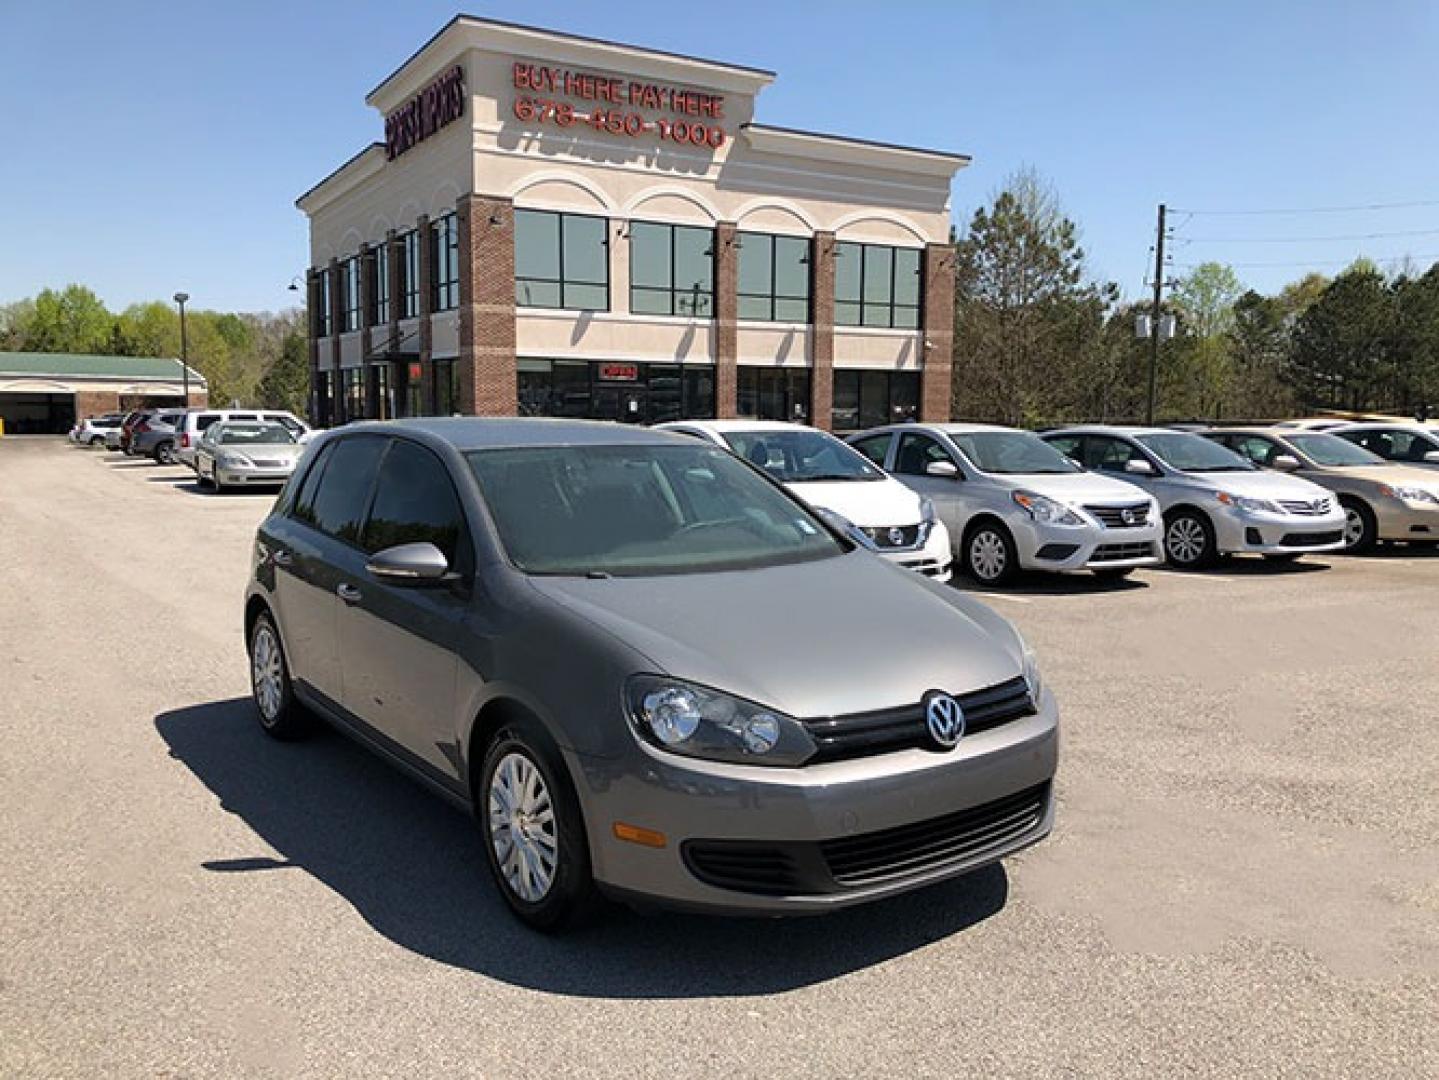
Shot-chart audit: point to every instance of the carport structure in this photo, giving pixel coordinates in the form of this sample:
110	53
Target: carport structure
45	393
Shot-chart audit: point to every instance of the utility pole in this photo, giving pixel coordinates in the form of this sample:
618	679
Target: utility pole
1154	317
180	299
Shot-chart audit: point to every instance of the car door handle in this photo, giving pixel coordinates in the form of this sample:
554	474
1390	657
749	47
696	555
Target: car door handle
349	594
281	557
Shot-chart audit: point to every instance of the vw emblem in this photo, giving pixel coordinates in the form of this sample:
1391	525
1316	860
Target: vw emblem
896	536
1129	515
944	718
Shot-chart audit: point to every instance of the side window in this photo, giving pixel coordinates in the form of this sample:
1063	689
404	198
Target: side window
875	447
415	502
344	490
204	420
1259	451
303	508
917	451
242	416
1069	446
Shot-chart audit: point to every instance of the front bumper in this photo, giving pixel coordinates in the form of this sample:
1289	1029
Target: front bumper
252	477
1240	531
1087	547
996	784
1398	520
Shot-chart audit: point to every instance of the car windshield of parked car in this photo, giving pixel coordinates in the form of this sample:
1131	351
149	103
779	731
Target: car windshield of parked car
801	457
1193	453
1010	452
1333	452
251	434
642	510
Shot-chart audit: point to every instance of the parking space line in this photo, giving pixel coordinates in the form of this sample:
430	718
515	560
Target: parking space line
1005	596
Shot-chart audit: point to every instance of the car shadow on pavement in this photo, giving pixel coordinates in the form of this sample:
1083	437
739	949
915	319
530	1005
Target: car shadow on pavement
412	867
1031	583
1256	566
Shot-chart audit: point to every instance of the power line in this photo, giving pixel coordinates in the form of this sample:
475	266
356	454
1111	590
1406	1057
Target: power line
1357	208
1305	239
1314	262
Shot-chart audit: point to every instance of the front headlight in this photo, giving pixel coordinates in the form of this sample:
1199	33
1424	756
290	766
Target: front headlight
1032	677
1409	494
926	508
1253	506
685	718
1045	510
231	460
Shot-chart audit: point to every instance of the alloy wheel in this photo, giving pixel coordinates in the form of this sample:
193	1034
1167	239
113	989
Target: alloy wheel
267	674
1185	540
1353	527
987	555
522	827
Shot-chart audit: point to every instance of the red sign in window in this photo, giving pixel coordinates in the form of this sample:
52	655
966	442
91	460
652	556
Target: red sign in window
414	371
620	372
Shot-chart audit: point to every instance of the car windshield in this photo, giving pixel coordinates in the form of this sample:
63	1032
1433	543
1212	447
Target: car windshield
1332	451
1008	452
642	510
1193	453
249	434
798	457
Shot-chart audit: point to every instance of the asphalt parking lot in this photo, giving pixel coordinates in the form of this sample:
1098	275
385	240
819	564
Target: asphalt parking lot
1244	880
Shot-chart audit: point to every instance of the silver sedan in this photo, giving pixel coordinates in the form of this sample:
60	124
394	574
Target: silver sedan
246	453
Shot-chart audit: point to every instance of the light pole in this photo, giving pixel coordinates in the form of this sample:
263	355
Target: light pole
181	298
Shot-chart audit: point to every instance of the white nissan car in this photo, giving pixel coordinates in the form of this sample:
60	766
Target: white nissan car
1016	503
898	523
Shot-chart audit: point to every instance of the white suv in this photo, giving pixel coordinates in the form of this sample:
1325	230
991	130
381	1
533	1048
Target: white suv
896	523
193	424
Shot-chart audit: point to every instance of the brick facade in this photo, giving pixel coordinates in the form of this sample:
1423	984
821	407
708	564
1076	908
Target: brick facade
936	378
487	367
821	264
726	262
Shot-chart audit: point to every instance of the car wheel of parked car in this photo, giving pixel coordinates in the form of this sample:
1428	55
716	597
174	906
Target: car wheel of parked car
1189	540
280	714
534	832
98	441
989	554
165	453
1361	530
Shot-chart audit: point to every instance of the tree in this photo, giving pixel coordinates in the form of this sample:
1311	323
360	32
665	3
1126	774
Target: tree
1416	343
1025	315
73	320
1343	342
1258	345
1199	364
286	384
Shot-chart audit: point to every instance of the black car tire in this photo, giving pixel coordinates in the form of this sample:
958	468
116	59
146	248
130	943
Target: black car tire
282	717
572	897
165	453
1003	565
1194	527
1368	532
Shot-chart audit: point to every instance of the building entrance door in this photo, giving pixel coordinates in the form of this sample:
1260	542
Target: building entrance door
627	404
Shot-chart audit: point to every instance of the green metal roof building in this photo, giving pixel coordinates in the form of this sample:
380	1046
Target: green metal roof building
46	393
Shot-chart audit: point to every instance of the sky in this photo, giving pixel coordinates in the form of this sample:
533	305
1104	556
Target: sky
156	147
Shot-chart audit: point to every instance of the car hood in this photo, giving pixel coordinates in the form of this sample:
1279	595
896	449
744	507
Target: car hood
830	637
1076	489
868	503
1260	485
1395	475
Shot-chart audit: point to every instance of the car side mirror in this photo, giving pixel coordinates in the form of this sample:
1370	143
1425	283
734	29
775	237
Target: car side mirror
1285	462
1140	467
410	564
841	524
947	469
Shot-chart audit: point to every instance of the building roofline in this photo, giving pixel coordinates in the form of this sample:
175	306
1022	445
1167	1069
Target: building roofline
559	35
849	140
336	172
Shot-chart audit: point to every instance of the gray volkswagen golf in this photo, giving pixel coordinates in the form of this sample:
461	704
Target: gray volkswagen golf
646	668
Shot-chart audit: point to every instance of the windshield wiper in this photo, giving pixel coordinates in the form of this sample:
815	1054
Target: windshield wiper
822	477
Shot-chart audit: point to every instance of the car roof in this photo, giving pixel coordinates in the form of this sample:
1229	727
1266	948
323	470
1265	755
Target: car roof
1386	425
1115	429
485	433
720	426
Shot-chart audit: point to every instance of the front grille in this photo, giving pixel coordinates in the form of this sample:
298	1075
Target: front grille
895	537
925	845
268	463
799	868
904	727
1112	517
1119	552
1314	539
1306	508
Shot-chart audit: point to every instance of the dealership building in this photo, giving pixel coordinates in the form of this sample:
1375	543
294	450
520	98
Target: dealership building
45	393
555	225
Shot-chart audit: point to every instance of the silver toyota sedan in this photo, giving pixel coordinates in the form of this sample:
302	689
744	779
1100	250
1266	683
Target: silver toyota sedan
633	657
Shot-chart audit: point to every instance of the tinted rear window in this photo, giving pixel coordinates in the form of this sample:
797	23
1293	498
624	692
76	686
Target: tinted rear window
344	488
204	420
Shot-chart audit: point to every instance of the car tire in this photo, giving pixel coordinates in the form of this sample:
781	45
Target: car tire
542	872
989	555
1189	540
165	453
1115	573
97	441
281	716
1361	528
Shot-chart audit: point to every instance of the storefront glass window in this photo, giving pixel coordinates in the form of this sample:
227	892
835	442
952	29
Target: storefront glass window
628	392
774	394
350	294
410	275
876	285
321	315
379	313
773	278
561	261
671	270
865	399
354	393
445	258
447	387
